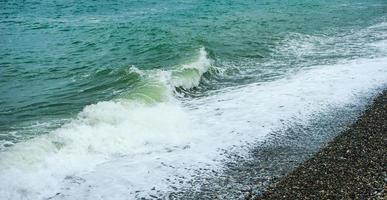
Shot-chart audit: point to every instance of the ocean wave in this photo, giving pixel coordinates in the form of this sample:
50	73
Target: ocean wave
189	75
145	120
167	132
141	136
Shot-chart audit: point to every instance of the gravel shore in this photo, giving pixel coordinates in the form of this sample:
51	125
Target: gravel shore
352	166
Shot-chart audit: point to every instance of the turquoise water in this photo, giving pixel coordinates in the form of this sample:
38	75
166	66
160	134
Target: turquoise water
58	57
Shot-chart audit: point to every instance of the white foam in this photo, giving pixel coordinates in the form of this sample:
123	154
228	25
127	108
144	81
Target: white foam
262	105
380	32
108	129
121	150
232	117
189	75
381	25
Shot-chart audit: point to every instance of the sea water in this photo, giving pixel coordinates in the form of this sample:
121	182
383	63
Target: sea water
132	99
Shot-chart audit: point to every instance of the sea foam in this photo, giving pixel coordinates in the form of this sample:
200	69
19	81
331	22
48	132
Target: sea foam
116	148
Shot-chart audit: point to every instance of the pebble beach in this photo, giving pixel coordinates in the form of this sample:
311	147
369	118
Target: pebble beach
352	166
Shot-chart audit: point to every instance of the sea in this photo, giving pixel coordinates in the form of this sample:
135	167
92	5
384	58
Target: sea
143	99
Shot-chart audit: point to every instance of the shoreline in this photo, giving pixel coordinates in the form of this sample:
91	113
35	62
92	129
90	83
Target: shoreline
270	160
352	166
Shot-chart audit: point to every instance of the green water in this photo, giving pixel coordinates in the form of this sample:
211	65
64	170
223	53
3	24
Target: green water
58	56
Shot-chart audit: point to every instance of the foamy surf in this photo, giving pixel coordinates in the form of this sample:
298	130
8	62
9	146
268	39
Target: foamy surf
189	75
126	150
229	119
148	119
159	99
